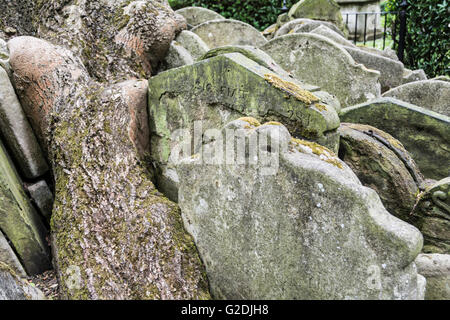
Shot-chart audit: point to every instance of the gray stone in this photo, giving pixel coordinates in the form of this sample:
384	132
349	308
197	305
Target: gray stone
8	256
429	94
391	71
177	56
422	132
12	287
317	60
219	33
436	269
442	78
42	196
325	10
387	52
306	230
330	34
19	221
17	132
224	88
305	25
198	15
413	75
192	43
4	57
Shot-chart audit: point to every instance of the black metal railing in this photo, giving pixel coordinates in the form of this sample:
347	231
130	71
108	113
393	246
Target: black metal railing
379	25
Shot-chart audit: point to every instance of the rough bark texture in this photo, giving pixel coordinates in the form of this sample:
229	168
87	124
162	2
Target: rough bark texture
114	235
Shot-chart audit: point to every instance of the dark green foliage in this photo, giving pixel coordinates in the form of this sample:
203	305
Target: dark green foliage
259	13
428	38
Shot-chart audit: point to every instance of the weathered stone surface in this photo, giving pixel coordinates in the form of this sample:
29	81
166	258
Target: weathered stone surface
429	94
423	133
320	61
391	71
17	132
260	240
326	10
192	43
42	197
330	34
442	78
219	33
8	257
225	88
436	269
4	56
177	56
19	221
383	164
198	15
413	75
432	216
387	52
12	287
305	25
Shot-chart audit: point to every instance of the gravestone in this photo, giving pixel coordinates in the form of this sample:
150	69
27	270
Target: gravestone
12	287
325	10
391	71
17	132
422	132
436	269
306	25
8	256
19	221
177	56
219	33
225	88
413	75
293	232
4	56
42	197
382	163
198	15
429	94
192	43
330	34
317	60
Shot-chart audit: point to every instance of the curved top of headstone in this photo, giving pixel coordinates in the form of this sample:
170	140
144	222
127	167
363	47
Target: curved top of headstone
429	94
192	43
326	10
309	26
317	60
218	33
198	15
332	35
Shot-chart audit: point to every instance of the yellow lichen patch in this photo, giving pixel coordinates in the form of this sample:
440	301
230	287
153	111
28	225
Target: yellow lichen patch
320	107
252	121
291	32
270	30
322	152
272	123
293	89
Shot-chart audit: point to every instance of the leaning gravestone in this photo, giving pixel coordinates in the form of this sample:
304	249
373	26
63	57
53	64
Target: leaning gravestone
17	132
306	25
413	75
219	33
197	15
332	35
224	88
192	43
325	10
317	60
177	56
8	256
12	287
425	134
19	221
381	163
436	269
428	94
293	232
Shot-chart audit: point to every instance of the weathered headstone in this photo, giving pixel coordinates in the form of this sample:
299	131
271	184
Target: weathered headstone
317	60
192	43
425	134
332	35
361	22
391	71
224	88
294	232
17	132
436	269
42	197
198	15
429	94
4	56
8	256
19	221
326	10
432	216
12	287
219	33
413	75
177	56
305	25
383	164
